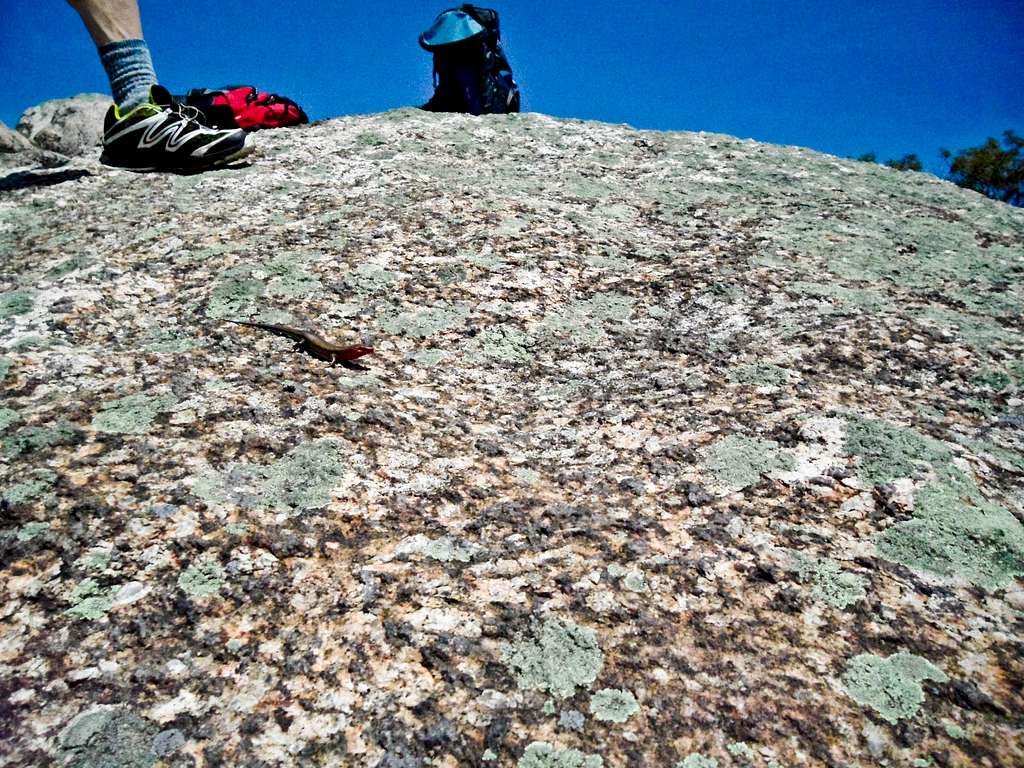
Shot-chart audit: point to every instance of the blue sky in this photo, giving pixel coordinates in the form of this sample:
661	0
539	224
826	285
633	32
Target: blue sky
843	77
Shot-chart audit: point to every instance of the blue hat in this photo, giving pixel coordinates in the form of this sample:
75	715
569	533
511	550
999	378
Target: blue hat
450	27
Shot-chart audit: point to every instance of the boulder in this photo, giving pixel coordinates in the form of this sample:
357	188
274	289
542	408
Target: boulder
674	449
17	152
72	126
12	142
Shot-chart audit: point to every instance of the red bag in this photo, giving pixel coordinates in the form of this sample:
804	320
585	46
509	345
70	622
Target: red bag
242	106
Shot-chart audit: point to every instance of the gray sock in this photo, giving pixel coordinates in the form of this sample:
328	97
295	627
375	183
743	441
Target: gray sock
130	70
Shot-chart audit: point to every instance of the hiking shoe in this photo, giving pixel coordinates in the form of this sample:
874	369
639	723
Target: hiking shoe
164	136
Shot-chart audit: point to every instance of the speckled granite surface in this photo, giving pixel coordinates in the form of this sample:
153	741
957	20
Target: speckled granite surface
675	450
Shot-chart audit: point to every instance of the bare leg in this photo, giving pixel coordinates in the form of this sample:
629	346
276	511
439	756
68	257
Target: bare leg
141	107
109	21
116	28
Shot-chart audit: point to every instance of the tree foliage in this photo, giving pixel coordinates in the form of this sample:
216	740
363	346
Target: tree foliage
994	170
906	163
909	162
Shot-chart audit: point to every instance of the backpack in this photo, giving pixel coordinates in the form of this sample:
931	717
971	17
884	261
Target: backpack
242	106
471	72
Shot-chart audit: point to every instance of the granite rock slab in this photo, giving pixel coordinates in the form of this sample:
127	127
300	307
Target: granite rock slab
675	449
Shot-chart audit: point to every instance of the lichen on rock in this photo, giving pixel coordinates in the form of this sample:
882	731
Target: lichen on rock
540	754
890	686
15	303
955	532
8	416
37	486
426	322
131	415
90	601
830	583
697	760
738	461
613	705
556	656
443	549
202	579
300	481
36	438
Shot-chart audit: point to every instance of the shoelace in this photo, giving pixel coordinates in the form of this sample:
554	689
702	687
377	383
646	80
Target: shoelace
187	112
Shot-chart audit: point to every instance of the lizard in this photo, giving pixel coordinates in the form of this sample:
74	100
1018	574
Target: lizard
316	346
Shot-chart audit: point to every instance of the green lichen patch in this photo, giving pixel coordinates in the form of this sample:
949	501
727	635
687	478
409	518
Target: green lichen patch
760	374
697	761
540	754
96	558
955	732
831	584
608	262
997	381
614	706
167	341
444	549
202	579
847	298
525	475
740	749
31	342
302	480
424	323
738	461
132	415
587	322
289	278
955	531
237	290
634	581
89	601
973	541
989	450
370	279
892	686
29	531
5	366
8	416
66	267
428	358
370	139
510	227
235	295
503	344
15	303
888	453
107	737
556	656
30	439
981	333
38	486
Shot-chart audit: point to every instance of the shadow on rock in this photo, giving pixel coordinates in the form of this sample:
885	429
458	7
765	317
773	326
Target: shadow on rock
39	178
